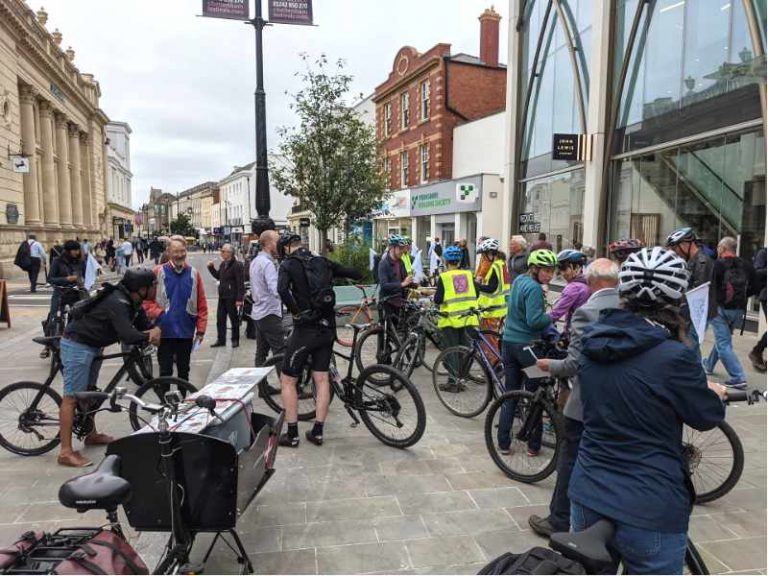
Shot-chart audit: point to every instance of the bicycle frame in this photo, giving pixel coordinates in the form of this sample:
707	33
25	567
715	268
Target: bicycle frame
481	344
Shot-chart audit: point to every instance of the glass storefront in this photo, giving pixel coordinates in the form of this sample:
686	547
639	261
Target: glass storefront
557	204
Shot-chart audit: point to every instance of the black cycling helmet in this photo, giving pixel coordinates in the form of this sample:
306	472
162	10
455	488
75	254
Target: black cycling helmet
286	239
682	235
136	278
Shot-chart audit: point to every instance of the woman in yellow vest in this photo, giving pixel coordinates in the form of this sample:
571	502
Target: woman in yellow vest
492	273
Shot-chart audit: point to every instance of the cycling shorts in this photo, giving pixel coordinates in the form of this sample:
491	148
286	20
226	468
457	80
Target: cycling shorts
311	345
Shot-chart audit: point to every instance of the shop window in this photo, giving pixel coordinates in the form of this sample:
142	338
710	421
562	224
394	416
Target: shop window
557	205
404	169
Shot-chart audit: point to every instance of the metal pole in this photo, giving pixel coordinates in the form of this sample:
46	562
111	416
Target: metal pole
262	221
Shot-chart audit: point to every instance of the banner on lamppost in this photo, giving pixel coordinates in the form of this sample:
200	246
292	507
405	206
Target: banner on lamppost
290	12
232	9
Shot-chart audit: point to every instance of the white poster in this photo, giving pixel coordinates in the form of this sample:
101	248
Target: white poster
698	304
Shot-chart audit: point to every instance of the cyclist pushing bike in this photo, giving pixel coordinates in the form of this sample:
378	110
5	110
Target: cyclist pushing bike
640	382
66	276
115	315
526	321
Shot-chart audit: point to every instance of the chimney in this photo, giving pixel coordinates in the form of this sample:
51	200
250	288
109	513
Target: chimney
489	37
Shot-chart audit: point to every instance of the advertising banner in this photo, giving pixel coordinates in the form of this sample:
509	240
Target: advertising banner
232	9
290	12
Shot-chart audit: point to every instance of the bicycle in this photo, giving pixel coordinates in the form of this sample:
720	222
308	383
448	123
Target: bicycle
356	314
29	411
375	394
57	320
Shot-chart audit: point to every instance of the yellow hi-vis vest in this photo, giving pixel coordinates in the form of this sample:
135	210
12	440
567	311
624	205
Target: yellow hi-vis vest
406	258
459	295
497	302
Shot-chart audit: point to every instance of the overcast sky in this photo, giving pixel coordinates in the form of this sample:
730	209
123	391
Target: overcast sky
185	84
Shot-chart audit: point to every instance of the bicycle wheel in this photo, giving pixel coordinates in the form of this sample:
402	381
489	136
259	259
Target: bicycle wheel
367	350
461	381
269	389
347	315
527	418
409	356
715	460
25	429
394	413
154	391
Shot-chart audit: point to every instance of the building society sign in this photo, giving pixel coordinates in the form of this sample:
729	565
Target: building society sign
447	197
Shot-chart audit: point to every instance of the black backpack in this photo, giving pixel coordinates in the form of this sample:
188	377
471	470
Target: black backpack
319	276
736	288
537	560
82	307
23	256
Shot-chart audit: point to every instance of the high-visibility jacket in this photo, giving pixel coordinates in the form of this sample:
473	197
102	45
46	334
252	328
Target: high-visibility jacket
406	258
459	295
497	301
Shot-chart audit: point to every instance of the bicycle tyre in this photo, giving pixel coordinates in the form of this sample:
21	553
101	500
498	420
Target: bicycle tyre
523	399
351	315
158	386
479	383
693	560
409	356
708	462
269	390
370	353
366	388
34	388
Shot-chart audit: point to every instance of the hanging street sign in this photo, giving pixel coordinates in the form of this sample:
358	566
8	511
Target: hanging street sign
20	163
290	12
232	9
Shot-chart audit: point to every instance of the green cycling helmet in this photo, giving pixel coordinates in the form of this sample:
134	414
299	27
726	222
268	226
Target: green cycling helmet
543	259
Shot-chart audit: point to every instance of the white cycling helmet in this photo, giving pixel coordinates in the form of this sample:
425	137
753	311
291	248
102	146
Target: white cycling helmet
488	245
653	275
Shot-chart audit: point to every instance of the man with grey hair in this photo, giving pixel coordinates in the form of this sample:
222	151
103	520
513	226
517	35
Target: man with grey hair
603	279
518	257
734	280
231	295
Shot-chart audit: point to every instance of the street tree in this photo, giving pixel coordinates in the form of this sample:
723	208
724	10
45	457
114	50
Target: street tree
331	162
182	225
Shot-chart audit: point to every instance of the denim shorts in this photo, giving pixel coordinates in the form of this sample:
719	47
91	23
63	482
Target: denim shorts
79	366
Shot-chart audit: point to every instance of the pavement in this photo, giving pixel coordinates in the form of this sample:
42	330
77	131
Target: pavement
357	506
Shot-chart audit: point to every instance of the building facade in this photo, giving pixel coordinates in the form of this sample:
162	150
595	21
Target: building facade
156	213
120	215
669	100
236	203
52	132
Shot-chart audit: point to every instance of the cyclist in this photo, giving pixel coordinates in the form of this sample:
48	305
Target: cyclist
406	256
570	263
116	315
67	271
394	280
640	383
493	273
622	248
301	279
526	320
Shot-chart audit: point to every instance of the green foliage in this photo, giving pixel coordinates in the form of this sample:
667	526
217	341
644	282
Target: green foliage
332	161
355	254
183	226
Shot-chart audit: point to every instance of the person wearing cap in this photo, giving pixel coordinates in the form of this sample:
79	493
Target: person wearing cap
116	316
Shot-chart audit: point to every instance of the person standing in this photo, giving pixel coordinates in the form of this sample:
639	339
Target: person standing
231	296
518	257
127	252
267	310
180	309
140	247
37	255
85	246
756	354
435	255
110	253
492	272
155	249
734	280
394	281
542	243
602	278
576	292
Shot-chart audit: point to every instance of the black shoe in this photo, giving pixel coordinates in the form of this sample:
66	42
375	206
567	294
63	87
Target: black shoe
540	525
289	441
218	344
316	440
236	344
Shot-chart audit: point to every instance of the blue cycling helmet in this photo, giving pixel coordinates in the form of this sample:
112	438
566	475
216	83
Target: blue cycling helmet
571	257
396	240
453	254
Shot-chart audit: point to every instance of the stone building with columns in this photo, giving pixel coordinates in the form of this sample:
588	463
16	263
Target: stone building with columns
49	113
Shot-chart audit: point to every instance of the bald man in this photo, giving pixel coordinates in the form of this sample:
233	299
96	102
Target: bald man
603	279
267	307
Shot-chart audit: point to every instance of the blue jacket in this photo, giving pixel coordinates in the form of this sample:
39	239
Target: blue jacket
526	317
638	387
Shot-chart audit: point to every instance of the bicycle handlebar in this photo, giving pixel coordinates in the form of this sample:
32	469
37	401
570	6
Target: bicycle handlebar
750	397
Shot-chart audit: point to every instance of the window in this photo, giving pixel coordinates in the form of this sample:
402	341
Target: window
404	169
424	156
425	100
405	110
387	119
387	172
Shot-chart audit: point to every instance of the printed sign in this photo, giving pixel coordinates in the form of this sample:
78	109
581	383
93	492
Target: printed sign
466	192
20	164
566	146
447	197
460	284
233	9
527	223
290	12
698	304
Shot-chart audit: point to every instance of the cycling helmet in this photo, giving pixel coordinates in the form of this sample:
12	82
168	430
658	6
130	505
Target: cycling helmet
489	245
396	240
569	256
407	240
653	275
286	239
136	278
682	235
623	247
453	254
542	259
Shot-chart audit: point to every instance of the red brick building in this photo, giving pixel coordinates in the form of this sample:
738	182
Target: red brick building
427	95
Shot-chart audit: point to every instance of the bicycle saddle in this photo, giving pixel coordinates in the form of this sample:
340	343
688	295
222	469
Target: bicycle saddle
102	489
47	340
588	547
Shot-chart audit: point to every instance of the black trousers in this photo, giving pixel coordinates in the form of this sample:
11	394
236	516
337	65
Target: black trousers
560	506
227	308
176	350
34	272
270	335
